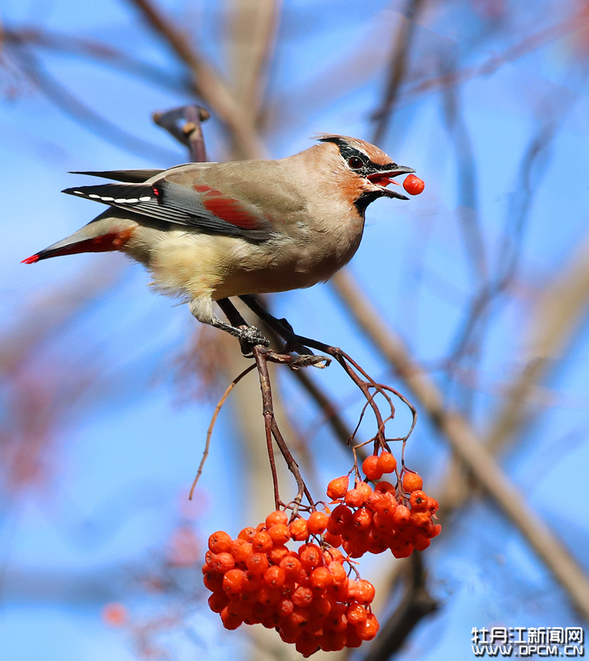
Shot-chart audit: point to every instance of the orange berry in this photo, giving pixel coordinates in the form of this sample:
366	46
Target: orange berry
321	579
402	549
362	519
213	581
218	601
365	489
276	517
354	498
302	596
311	556
356	614
386	504
432	505
352	638
268	595
418	500
241	550
422	520
351	589
230	621
337	571
257	563
274	576
402	515
334	540
299	530
337	620
368	629
247	534
370	468
284	607
306	647
411	482
317	522
339	590
233	581
276	554
421	542
291	566
333	554
383	522
262	542
222	562
364	592
299	617
413	185
337	488
383	486
340	517
321	606
387	462
279	533
253	583
220	542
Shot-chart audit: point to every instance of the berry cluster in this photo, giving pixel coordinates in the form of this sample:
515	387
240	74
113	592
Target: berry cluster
386	517
305	594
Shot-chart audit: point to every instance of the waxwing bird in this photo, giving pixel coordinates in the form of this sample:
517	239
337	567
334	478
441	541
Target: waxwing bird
207	231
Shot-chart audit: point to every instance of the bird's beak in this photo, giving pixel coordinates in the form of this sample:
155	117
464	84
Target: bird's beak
385	177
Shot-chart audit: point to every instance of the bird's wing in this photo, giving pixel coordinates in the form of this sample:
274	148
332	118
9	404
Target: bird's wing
128	176
199	206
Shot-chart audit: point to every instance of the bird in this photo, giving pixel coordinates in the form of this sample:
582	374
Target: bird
208	231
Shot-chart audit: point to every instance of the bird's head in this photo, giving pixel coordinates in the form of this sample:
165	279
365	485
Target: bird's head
367	169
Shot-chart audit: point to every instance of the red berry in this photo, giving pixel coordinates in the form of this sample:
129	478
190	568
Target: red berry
317	522
299	530
337	488
276	517
233	581
368	629
412	482
418	501
223	562
413	185
257	563
387	462
220	542
279	533
370	468
262	542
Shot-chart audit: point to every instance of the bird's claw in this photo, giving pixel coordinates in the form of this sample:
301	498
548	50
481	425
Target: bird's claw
249	337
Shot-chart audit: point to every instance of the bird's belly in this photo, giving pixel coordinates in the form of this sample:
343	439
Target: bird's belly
275	268
193	265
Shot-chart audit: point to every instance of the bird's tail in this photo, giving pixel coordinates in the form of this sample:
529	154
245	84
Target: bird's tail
98	236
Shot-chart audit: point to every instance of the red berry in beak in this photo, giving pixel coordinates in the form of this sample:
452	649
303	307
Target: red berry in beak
413	185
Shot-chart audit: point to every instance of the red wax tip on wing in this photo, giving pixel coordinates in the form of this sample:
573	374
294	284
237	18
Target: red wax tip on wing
413	185
30	260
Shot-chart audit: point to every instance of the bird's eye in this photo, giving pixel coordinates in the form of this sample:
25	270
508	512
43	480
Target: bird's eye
355	163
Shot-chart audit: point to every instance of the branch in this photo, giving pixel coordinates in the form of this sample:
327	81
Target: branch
208	83
467	446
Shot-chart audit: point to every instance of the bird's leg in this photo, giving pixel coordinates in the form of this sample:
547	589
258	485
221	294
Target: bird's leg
293	341
248	336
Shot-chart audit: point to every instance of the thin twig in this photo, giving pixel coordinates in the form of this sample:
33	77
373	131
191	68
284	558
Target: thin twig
467	445
218	408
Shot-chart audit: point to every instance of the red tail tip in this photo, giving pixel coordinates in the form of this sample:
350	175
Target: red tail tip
30	260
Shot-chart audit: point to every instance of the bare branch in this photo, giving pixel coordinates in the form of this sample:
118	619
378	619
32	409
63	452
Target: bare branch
207	82
467	445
